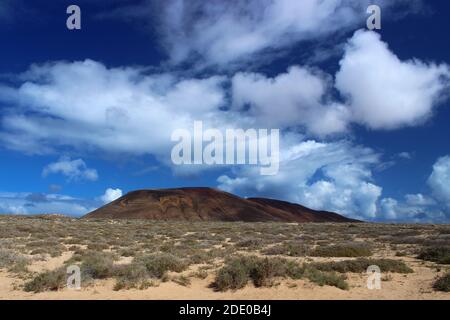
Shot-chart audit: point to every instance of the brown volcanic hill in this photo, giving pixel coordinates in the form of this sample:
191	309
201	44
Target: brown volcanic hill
206	204
302	213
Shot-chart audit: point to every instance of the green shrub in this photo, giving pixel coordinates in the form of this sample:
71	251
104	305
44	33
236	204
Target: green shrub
97	246
13	262
238	271
158	264
232	276
439	255
342	251
38	251
52	251
130	276
123	284
47	281
127	252
251	243
132	271
326	278
262	271
43	243
360	265
296	249
292	249
443	283
275	250
97	265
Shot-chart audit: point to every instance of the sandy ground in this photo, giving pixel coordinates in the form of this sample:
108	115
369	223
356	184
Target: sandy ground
417	285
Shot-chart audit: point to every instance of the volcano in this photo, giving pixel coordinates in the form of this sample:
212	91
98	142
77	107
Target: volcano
206	204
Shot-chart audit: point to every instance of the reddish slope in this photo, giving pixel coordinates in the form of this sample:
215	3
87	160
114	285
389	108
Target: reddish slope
205	204
302	214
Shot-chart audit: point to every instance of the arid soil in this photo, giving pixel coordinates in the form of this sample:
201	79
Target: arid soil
215	260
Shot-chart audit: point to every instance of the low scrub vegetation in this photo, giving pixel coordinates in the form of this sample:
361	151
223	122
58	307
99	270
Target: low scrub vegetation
442	283
145	270
291	249
342	251
141	254
439	255
158	264
47	281
252	243
326	278
360	265
134	275
13	262
237	272
97	265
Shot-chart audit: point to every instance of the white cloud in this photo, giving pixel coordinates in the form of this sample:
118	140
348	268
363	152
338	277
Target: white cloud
128	110
419	200
381	91
439	180
420	207
295	98
389	208
12	209
222	32
33	203
330	176
413	208
359	201
385	92
405	155
72	169
115	110
111	195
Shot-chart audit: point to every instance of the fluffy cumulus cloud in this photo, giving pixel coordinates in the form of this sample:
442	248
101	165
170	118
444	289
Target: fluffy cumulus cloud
330	176
337	176
295	98
115	110
221	32
385	92
111	195
439	180
380	91
412	208
72	169
431	207
133	111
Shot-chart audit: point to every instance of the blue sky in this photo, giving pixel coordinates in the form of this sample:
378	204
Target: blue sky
86	115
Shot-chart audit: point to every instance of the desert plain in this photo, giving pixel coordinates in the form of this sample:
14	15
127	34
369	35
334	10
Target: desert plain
142	259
